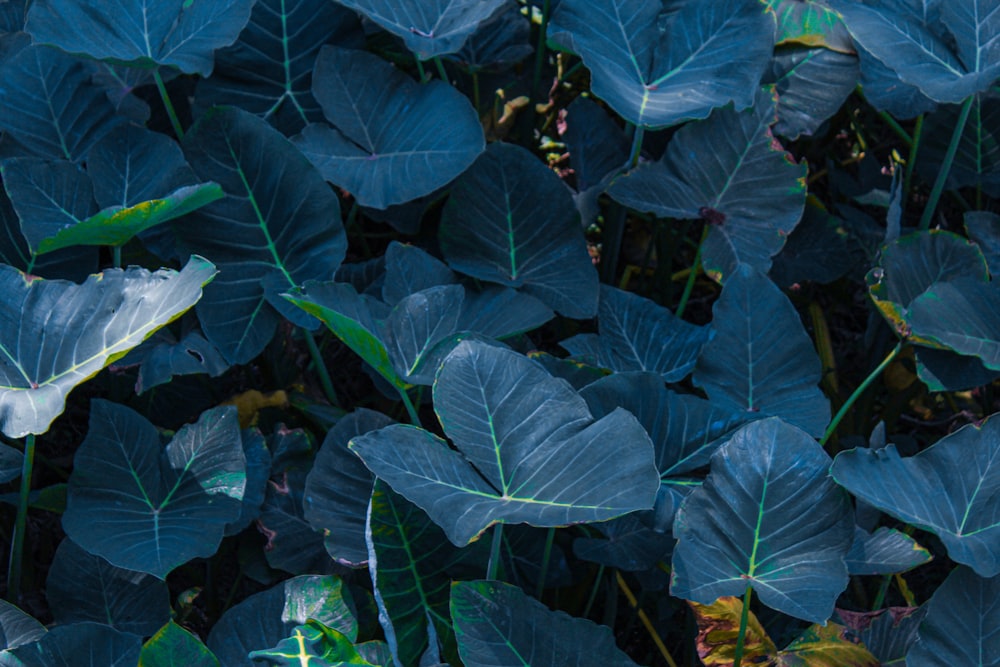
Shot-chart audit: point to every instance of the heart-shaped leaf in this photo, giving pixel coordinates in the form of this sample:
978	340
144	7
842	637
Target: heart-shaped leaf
812	85
429	28
77	645
393	139
43	357
141	33
498	624
761	359
311	643
529	450
768	517
731	172
887	633
949	489
284	216
149	508
657	67
16	627
886	551
510	220
172	645
961	623
49	196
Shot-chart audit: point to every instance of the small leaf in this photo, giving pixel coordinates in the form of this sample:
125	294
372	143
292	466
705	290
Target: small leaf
311	644
16	627
812	85
887	633
718	627
826	646
77	645
173	646
886	551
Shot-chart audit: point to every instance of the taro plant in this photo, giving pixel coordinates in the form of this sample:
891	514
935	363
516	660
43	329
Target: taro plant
412	332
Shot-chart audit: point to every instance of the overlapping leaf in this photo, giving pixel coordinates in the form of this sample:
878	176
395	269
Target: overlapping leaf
141	33
77	645
729	171
55	335
16	627
812	85
392	139
961	626
951	489
657	68
886	551
977	160
810	23
529	450
769	517
172	645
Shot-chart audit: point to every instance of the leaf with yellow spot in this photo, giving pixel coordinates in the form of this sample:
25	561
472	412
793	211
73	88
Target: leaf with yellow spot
809	23
718	627
829	646
251	402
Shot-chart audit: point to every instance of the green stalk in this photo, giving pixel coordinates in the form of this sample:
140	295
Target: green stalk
420	70
494	564
410	410
860	390
911	161
168	105
593	592
324	374
689	285
549	538
633	158
540	52
741	636
897	128
20	523
441	70
116	256
949	157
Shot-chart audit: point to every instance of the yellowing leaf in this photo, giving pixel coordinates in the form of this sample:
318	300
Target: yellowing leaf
718	626
828	646
249	403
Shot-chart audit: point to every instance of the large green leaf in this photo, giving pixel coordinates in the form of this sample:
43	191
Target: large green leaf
510	220
769	517
173	646
657	66
393	139
961	623
311	644
268	71
731	172
150	508
949	56
278	226
77	645
408	560
761	359
141	33
55	335
264	619
498	624
951	489
528	450
429	28
83	587
50	106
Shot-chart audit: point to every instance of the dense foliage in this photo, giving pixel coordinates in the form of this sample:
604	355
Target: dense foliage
500	332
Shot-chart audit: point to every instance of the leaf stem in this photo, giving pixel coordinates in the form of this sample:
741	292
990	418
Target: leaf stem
116	256
692	275
896	127
168	105
475	90
633	157
949	157
741	635
540	52
644	619
441	70
20	523
494	565
860	390
911	161
593	591
546	555
410	410
324	373
420	70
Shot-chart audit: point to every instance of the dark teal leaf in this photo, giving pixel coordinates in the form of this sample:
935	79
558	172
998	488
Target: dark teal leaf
119	83
82	587
497	624
657	66
961	623
162	356
730	171
629	544
577	373
685	429
886	92
49	197
886	633
769	517
597	145
141	33
944	370
173	646
408	560
393	139
498	43
77	645
510	220
886	551
962	315
16	627
49	105
339	487
264	619
258	458
946	67
278	227
977	162
819	249
529	450
949	489
150	508
268	71
10	463
812	85
761	359
42	358
429	28
409	270
983	227
311	644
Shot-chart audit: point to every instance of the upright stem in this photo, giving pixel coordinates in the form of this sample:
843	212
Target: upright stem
741	636
860	390
168	105
949	157
593	591
475	90
116	256
494	564
20	523
633	158
689	285
441	70
911	161
324	374
410	410
549	538
540	52
420	70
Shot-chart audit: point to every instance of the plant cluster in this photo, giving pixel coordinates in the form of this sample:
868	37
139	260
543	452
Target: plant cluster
506	332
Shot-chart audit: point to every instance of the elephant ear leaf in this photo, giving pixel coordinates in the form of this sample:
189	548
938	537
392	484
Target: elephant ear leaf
949	489
42	357
529	450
